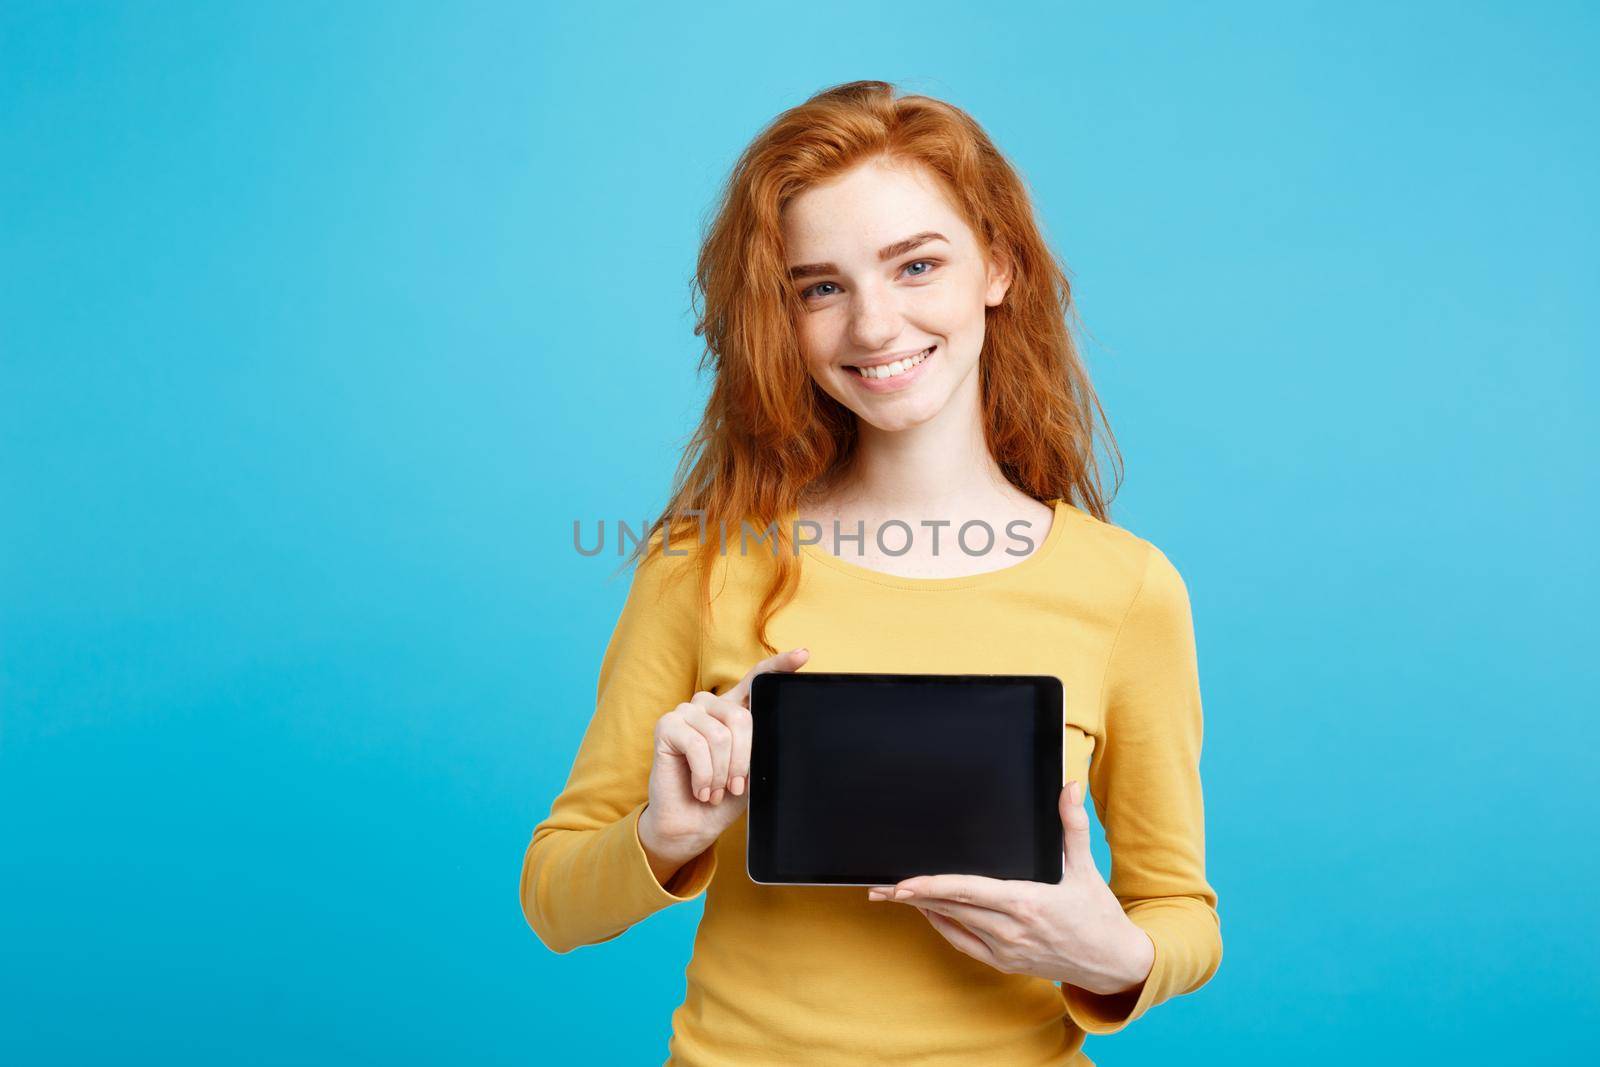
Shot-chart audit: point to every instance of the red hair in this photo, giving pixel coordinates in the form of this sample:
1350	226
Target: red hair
769	431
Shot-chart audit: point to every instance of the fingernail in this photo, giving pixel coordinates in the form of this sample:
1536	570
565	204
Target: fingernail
901	894
716	798
705	794
738	786
873	894
802	648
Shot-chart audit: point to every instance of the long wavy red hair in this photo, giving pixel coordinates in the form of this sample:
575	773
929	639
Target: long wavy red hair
769	432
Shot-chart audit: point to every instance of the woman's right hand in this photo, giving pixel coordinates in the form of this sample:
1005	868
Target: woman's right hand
700	777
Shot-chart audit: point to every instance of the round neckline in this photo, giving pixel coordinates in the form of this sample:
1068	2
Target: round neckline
1052	537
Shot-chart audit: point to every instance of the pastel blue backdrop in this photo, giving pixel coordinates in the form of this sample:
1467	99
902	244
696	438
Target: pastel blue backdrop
322	323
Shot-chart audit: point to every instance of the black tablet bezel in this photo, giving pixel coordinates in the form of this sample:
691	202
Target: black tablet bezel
1049	747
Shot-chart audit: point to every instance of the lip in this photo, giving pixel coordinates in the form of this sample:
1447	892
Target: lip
899	381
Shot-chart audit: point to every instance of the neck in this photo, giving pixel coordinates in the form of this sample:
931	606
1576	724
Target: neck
941	466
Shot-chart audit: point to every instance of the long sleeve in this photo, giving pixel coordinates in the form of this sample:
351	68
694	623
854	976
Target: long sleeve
585	876
1146	788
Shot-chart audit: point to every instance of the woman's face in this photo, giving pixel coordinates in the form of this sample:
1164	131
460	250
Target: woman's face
887	270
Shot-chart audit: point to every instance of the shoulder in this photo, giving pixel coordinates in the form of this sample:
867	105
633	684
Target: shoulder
1136	571
667	567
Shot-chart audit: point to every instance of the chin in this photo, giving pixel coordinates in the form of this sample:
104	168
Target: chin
895	421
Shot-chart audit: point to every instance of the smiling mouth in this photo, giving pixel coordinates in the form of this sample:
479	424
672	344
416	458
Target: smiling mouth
895	369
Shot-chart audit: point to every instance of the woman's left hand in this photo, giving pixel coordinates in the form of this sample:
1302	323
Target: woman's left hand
1075	932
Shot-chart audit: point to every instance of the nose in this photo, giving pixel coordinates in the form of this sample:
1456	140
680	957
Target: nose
875	318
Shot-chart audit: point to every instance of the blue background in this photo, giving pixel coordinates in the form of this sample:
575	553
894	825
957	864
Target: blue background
322	323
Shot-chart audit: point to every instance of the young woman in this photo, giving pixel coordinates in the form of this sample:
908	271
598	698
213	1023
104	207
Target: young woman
868	230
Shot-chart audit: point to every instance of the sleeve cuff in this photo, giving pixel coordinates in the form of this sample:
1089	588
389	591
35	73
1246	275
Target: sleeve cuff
1106	1013
690	881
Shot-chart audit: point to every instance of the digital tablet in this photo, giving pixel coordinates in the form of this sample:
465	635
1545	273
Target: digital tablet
867	779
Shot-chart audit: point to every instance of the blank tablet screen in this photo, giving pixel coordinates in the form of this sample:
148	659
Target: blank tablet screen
866	779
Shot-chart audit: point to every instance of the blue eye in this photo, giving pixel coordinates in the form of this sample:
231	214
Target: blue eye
805	294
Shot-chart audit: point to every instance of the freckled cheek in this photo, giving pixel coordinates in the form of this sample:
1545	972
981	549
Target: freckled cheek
819	369
816	349
817	365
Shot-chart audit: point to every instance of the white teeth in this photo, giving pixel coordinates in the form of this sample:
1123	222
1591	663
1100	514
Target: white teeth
890	370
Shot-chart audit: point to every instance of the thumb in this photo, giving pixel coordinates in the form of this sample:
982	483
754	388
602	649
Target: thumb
1075	828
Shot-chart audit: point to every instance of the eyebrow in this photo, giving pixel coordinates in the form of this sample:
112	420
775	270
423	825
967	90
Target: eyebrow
899	248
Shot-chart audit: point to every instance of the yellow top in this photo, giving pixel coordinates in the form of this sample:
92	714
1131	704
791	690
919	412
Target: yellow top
820	975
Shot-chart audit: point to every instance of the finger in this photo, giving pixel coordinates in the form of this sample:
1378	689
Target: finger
722	750
1075	829
999	894
994	927
736	717
719	740
690	743
783	661
962	938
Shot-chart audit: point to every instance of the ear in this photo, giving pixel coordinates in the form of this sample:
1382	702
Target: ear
998	281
